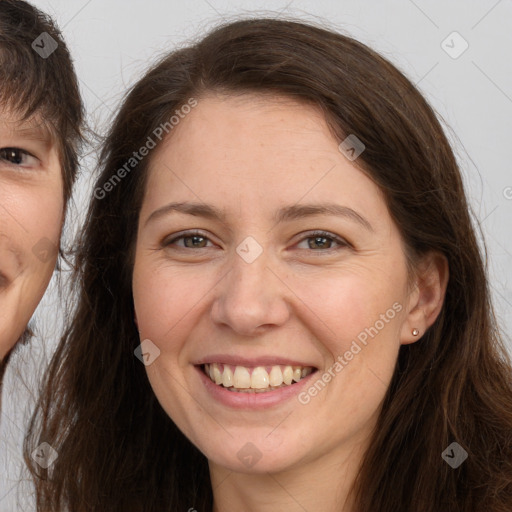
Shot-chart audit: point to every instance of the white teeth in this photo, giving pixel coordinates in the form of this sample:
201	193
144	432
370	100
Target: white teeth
306	372
257	381
276	376
227	377
241	377
288	375
217	375
259	378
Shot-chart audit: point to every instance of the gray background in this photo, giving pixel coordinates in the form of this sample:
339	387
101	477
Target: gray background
113	43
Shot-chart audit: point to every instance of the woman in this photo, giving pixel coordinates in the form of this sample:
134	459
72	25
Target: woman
40	128
280	234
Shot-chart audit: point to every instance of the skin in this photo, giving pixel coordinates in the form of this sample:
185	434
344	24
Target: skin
31	214
250	156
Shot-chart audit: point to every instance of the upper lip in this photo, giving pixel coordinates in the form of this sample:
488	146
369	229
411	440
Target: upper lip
250	362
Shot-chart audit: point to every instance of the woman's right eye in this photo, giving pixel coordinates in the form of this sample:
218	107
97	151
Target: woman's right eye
191	240
18	157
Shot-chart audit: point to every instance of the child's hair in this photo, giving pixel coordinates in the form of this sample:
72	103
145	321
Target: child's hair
40	85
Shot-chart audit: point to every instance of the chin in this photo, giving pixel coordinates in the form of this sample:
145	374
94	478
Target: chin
252	457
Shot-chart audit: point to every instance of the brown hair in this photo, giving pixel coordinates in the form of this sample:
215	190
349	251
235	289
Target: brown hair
42	88
118	450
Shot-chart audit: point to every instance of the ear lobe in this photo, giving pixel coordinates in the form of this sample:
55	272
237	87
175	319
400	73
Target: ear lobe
427	298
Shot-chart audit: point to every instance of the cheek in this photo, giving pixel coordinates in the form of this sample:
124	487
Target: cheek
43	223
31	227
46	215
355	315
346	303
37	211
357	323
165	299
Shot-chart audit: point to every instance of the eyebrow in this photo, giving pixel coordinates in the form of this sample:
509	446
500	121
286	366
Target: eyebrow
29	131
288	213
38	133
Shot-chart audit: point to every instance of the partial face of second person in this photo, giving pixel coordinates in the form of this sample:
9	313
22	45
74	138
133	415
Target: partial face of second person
260	245
31	213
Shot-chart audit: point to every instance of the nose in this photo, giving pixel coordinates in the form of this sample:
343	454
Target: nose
251	298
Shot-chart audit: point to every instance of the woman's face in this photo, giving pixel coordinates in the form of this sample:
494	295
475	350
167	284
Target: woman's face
262	247
31	211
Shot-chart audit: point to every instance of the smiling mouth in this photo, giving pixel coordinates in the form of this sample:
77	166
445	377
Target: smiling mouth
259	379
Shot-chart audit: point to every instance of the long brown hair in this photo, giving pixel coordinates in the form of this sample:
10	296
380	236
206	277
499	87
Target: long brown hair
118	450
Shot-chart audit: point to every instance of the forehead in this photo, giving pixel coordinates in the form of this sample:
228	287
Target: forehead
12	124
257	151
235	129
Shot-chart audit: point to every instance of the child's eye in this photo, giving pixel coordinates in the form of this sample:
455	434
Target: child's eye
18	157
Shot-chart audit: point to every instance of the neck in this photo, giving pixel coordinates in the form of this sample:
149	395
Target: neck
322	484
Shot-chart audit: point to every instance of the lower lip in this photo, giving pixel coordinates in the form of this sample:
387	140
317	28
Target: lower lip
252	400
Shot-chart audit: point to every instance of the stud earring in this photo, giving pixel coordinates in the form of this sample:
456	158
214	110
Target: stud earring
415	332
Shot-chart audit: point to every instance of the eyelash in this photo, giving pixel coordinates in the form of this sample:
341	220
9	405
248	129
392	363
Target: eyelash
18	153
315	234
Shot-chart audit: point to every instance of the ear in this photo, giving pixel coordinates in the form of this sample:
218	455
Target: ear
427	297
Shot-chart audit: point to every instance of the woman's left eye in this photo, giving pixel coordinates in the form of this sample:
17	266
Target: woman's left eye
322	241
18	157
